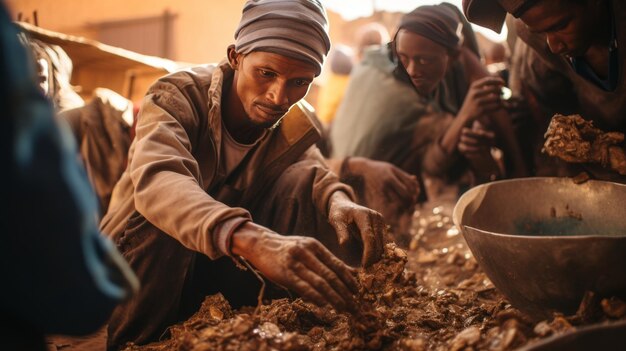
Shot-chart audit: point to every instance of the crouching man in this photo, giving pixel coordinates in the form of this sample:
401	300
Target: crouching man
223	169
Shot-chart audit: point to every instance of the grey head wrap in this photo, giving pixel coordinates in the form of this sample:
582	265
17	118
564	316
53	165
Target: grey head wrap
293	28
438	23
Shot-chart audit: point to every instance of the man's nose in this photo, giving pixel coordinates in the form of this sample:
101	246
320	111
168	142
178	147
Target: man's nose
277	94
412	68
555	44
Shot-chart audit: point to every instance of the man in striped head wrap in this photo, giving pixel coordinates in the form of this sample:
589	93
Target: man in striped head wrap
217	146
296	29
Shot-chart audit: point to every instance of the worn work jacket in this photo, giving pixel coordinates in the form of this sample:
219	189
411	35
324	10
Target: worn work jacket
173	177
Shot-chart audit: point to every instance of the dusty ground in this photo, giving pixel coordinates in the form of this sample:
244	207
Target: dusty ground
431	297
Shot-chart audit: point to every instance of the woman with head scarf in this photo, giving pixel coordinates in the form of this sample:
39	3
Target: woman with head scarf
396	107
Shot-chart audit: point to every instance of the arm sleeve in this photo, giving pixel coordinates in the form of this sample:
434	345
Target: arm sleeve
166	176
325	182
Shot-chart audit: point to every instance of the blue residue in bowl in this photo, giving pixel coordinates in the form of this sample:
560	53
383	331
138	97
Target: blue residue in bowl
554	226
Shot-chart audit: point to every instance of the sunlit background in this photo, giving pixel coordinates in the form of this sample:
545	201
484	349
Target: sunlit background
353	9
177	33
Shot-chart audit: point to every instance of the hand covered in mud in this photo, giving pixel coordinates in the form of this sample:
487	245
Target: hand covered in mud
354	221
300	264
382	183
483	98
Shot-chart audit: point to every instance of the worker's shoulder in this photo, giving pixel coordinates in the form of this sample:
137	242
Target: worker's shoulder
197	77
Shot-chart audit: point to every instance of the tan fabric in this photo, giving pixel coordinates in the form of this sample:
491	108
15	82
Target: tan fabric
233	151
173	177
102	133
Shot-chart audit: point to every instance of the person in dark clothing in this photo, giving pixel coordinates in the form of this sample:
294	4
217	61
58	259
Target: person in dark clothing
566	60
60	275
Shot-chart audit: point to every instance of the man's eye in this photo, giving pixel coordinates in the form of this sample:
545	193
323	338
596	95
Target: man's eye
301	82
265	73
424	61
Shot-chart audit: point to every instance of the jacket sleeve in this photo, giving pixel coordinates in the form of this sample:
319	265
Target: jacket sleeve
325	182
166	177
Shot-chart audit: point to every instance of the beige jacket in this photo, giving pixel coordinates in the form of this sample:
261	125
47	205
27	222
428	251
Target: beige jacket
173	177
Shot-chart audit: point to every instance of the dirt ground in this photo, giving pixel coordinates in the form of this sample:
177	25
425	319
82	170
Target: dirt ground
432	296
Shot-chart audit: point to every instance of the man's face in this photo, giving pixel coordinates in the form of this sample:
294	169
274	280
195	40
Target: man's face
569	26
268	84
424	60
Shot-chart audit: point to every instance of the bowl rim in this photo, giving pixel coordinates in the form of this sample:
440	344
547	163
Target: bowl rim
470	194
552	237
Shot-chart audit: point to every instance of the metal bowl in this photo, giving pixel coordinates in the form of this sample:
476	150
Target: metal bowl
543	242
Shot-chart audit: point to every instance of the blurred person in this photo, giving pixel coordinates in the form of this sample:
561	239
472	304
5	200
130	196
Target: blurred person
102	127
223	173
340	60
370	35
497	60
102	130
54	71
396	108
60	275
566	60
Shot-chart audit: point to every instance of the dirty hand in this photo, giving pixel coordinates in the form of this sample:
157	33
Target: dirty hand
483	98
364	224
382	181
300	264
476	140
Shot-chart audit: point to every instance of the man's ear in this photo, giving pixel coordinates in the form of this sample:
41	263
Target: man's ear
233	57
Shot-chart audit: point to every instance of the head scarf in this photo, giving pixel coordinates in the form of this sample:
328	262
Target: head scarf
293	28
438	23
491	13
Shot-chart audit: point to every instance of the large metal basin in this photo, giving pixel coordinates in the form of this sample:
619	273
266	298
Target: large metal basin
543	242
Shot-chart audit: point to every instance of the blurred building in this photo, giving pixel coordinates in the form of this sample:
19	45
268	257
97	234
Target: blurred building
185	31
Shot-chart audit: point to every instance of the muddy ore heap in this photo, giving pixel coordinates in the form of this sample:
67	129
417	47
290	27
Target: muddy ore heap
443	302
